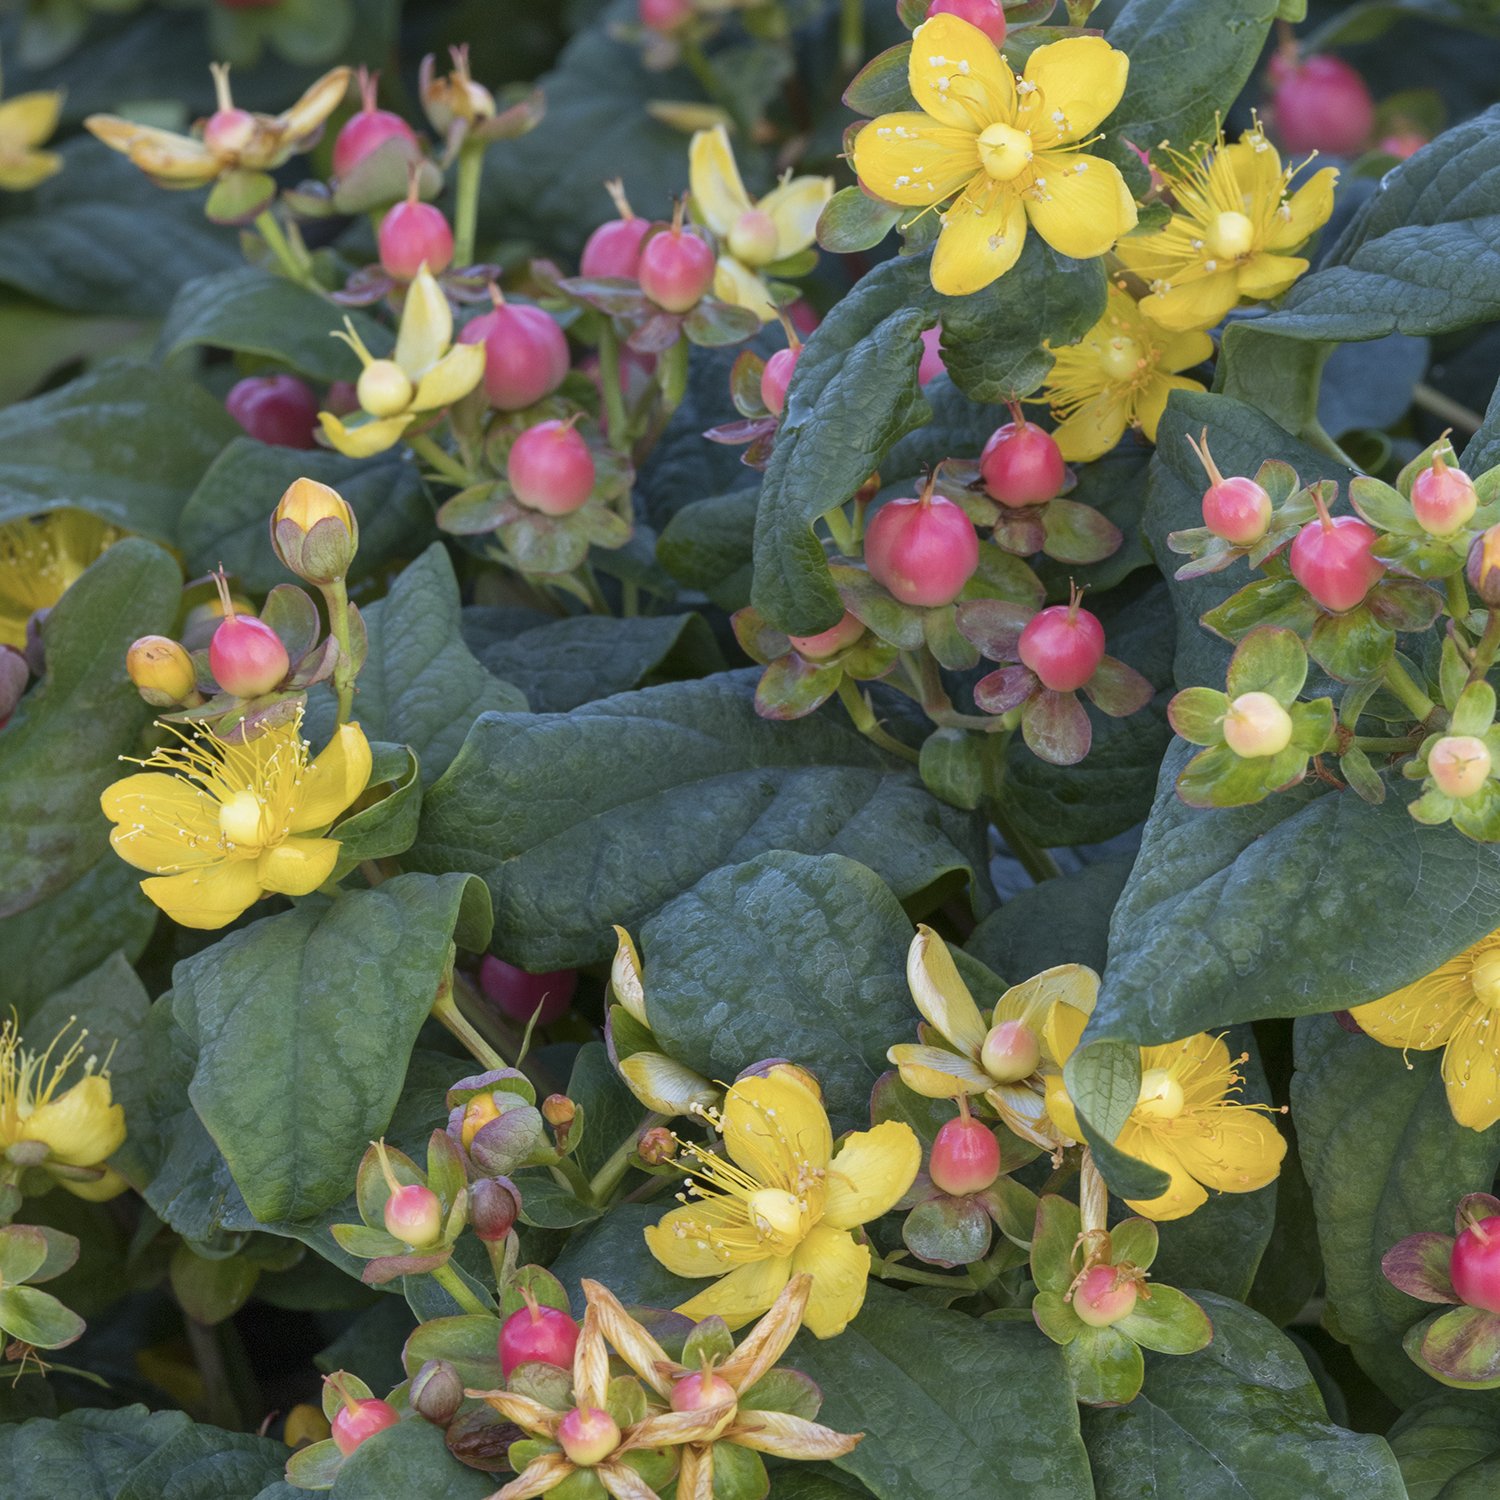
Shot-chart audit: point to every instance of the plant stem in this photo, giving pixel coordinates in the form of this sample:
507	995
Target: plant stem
841	531
1488	647
466	203
1405	687
220	1407
851	35
607	1178
336	596
437	460
888	1272
450	1281
1459	608
293	268
1385	744
1035	860
1445	407
863	716
446	1011
616	423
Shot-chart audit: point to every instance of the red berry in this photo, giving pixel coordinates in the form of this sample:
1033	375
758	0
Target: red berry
698	1392
1322	104
525	354
776	377
246	657
1063	645
1103	1296
413	235
1010	1052
677	269
227	132
1330	558
1474	1267
932	355
965	1157
414	1215
1256	725
588	1435
1022	465
828	642
665	15
357	1420
1459	764
276	409
551	469
537	1335
923	550
341	398
984	14
1443	499
520	995
1238	510
369	130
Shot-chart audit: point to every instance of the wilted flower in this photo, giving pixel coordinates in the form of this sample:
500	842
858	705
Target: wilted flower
25	123
41	558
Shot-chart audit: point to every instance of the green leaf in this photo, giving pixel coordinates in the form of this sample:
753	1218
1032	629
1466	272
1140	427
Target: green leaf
38	1318
127	442
227	518
1063	921
991	1398
85	1455
1445	1435
420	686
708	544
1279	375
290	1081
618	1241
833	999
206	1463
1385	1159
696	779
1242	1417
1104	1083
406	1460
1106	1368
386	827
62	746
251	311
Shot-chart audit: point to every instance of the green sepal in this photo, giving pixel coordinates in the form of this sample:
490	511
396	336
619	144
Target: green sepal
1270	659
739	1473
1106	1367
1168	1321
946	1231
1353	646
1459	1347
1057	1226
1056	1318
710	1341
1077	533
793	687
625	1400
899	624
316	1466
38	1318
1134	1241
240	196
1474	712
1385	508
1197	715
1263	601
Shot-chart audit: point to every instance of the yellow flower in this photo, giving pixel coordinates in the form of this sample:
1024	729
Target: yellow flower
1010	1071
25	123
41	558
783	1203
224	824
752	234
1008	147
80	1125
1233	234
1185	1124
427	371
239	138
1454	1008
1118	375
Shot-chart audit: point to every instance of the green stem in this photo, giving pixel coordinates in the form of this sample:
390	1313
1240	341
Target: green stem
616	423
336	596
1445	407
1405	687
841	531
1035	860
1487	649
864	719
852	35
1459	608
466	203
437	460
293	268
220	1407
888	1272
1385	744
450	1281
446	1011
607	1178
595	595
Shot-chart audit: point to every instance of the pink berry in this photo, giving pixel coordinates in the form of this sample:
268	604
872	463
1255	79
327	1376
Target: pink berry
551	469
1103	1296
414	1215
1063	645
677	269
1022	465
1010	1052
1322	104
698	1392
353	1423
614	249
965	1157
277	409
923	550
341	398
588	1435
1402	143
246	657
984	14
828	642
413	235
228	131
525	354
368	130
1257	725
1330	558
932	355
1459	764
520	995
1443	499
665	15
775	379
1474	1267
1238	510
537	1335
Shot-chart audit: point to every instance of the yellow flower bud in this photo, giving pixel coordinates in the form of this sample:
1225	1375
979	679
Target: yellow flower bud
305	1424
161	670
314	531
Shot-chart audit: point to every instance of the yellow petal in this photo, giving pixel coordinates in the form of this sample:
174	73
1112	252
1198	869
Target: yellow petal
1062	1031
98	1190
364	439
1254	167
177	159
977	247
840	1270
1185	1193
81	1126
1233	1148
739	286
625	977
907	159
1151	402
1031	1001
1199	303
1083	205
339	774
208	898
665	1085
297	866
1306	211
1081	78
451	378
794	208
20	171
163	823
1024	1110
426	326
314	107
1095	427
940	993
958	77
714	177
1265	275
1181	351
872	1169
744	1294
789	1436
772	1122
936	1074
1471	1070
679	1242
1423	1015
29	119
764	1345
1060	1109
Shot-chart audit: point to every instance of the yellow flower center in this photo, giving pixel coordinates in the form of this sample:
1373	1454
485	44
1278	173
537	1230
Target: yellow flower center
753	238
1485	977
1004	151
777	1216
1121	358
1230	236
1161	1095
240	819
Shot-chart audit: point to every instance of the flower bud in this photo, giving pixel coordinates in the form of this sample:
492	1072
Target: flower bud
1257	725
437	1392
246	656
1443	499
656	1146
161	670
414	1215
699	1392
588	1435
1483	570
493	1207
1459	764
314	531
1104	1295
559	1111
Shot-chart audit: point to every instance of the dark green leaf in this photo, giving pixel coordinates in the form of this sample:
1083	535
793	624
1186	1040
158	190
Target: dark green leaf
1445	1436
708	544
85	1455
206	1463
405	1461
1064	921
